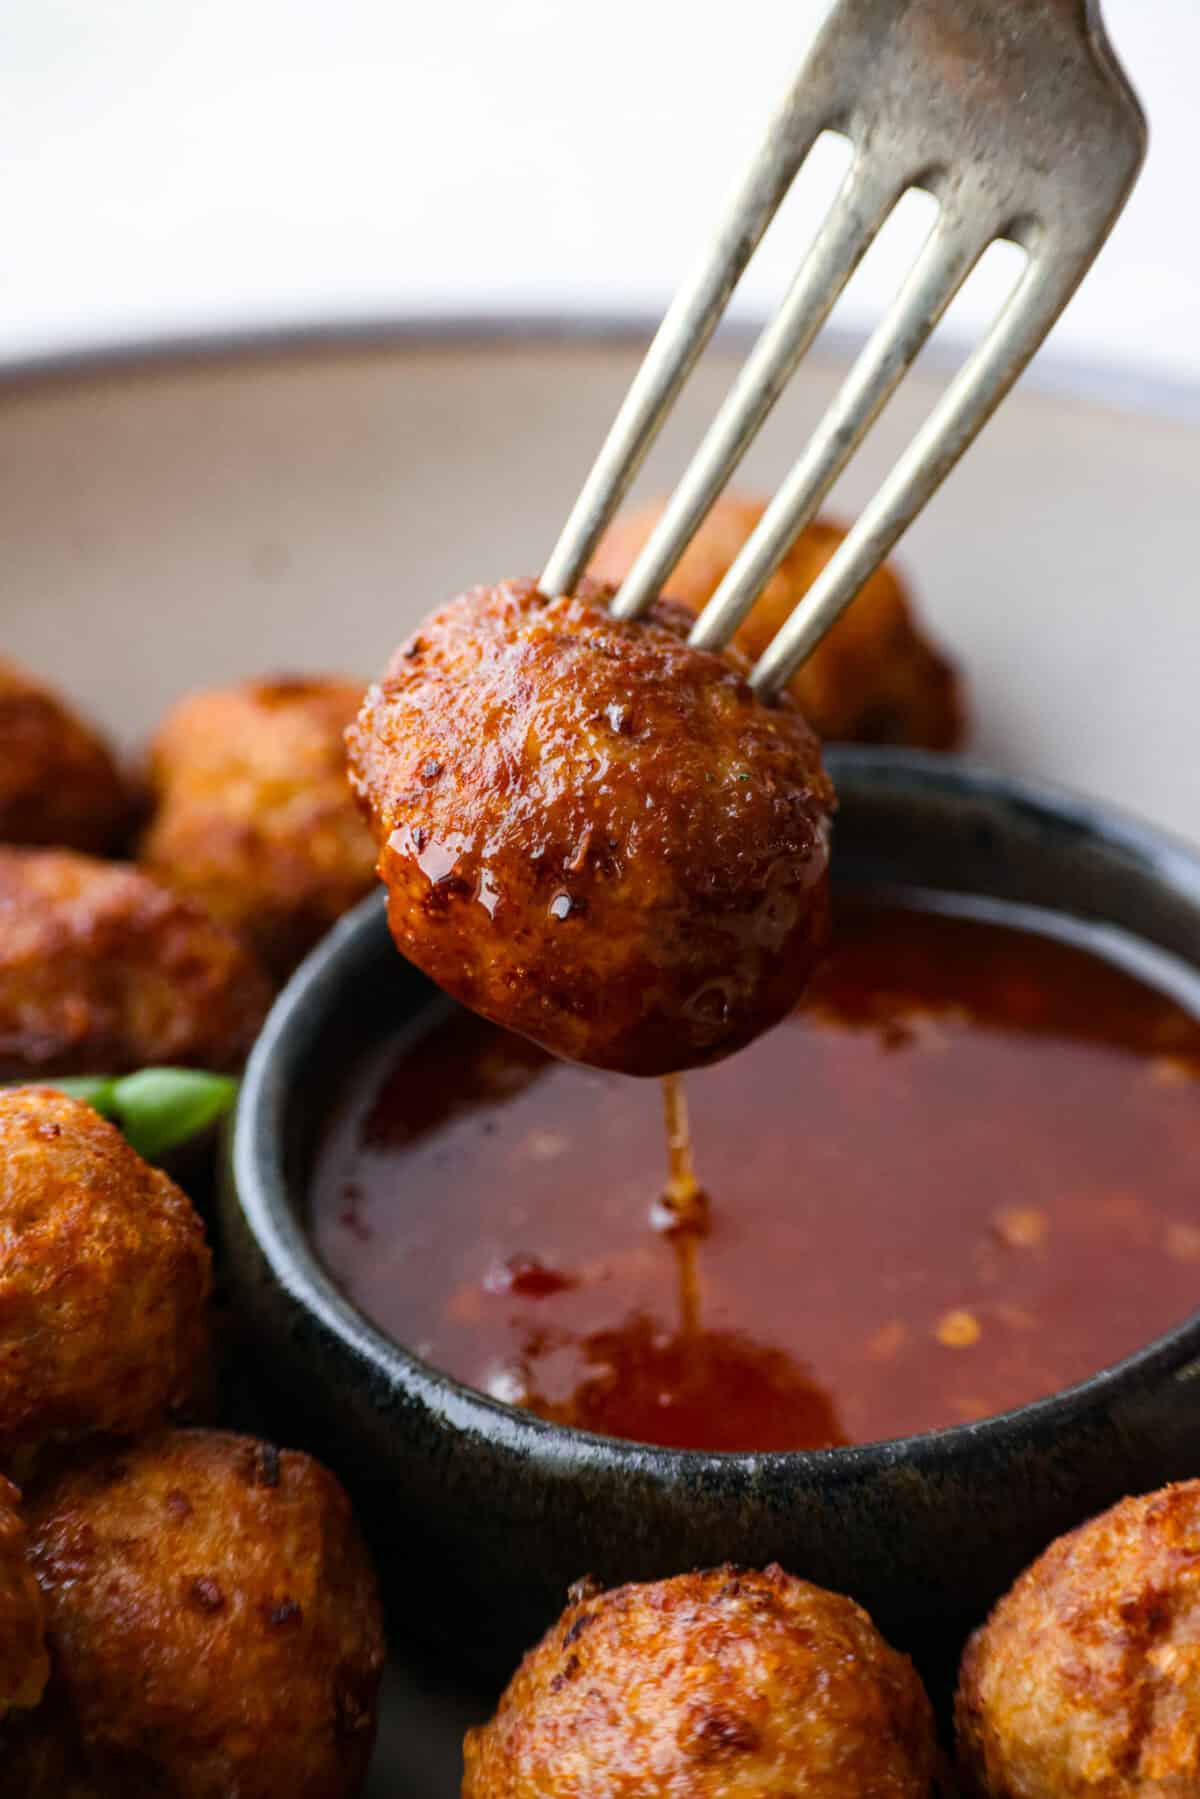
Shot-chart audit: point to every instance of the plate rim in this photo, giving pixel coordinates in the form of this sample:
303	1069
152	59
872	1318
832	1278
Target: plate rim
1088	380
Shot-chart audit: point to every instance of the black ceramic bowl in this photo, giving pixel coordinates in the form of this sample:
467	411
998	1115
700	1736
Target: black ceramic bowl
481	1515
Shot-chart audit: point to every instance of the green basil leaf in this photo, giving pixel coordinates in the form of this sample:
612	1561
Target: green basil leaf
161	1108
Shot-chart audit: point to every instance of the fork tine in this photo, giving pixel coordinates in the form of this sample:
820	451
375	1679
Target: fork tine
862	205
949	254
951	427
689	323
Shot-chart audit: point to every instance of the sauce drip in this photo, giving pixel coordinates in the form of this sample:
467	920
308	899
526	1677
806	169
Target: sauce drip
682	1212
965	1174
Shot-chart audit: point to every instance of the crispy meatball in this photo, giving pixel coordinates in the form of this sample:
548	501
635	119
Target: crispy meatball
103	970
726	1684
254	815
213	1620
1085	1681
591	833
875	678
59	782
104	1278
23	1663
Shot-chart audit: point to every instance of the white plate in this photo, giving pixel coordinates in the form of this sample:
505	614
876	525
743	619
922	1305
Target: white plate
183	522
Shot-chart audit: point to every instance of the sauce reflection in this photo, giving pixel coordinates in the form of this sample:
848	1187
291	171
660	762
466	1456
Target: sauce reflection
965	1174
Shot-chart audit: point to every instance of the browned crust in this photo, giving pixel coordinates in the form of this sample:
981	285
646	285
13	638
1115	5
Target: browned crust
1085	1680
59	781
24	1665
724	1685
103	969
253	814
876	678
213	1618
592	833
104	1278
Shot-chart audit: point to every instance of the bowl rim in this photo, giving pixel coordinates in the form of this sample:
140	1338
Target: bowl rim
258	1187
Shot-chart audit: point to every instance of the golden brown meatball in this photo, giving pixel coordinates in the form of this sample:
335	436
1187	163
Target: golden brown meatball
1085	1681
254	815
23	1662
59	782
104	1278
591	833
723	1685
103	970
213	1620
875	678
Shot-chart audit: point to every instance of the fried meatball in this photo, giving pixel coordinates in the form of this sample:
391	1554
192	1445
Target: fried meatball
1085	1681
876	678
213	1620
726	1684
591	833
253	813
23	1662
103	970
59	782
104	1278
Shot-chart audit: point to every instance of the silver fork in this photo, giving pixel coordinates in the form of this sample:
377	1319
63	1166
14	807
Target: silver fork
1016	116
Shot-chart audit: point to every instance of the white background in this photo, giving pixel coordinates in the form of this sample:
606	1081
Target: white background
188	164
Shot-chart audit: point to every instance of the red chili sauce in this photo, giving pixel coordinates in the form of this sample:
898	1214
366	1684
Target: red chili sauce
964	1175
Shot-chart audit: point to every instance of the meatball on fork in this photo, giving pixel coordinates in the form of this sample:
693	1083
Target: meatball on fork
592	833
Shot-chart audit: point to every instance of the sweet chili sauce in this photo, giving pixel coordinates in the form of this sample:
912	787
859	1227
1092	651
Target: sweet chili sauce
682	1210
964	1175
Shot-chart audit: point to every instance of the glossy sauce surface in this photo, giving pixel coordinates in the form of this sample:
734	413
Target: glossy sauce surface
592	832
964	1175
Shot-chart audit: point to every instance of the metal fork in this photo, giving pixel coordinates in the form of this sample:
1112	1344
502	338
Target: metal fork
1016	116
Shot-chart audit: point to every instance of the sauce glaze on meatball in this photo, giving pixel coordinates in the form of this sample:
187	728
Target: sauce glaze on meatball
592	833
